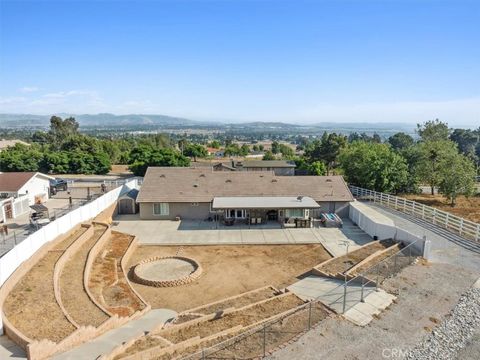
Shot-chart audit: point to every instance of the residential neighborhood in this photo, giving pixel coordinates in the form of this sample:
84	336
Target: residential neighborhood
239	180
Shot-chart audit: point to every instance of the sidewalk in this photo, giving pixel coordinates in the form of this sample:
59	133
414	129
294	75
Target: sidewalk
105	343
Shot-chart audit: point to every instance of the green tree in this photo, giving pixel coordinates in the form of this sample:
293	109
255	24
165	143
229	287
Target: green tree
275	147
431	161
400	141
195	151
144	157
232	150
317	168
21	158
327	149
215	144
373	166
244	150
61	129
268	155
457	177
433	130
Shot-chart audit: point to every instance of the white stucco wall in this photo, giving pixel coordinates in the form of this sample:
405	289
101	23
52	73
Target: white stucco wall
36	186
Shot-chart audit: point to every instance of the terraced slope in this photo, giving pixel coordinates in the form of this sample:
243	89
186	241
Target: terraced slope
341	264
31	305
107	281
208	328
181	340
244	299
75	299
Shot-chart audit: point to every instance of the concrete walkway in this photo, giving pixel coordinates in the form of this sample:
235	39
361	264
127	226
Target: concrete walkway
447	247
9	350
105	343
332	293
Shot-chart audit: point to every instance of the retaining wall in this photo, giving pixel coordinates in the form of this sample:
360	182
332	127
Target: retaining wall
380	226
22	252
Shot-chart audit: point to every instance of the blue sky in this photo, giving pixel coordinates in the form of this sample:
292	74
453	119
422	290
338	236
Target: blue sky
297	61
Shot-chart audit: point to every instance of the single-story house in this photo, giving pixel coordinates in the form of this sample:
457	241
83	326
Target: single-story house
19	190
186	193
279	167
34	185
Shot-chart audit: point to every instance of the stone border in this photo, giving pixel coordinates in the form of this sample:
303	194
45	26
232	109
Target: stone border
168	283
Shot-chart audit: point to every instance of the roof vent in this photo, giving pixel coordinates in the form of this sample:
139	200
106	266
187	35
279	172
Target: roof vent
274	180
328	180
228	181
163	175
299	198
195	185
202	175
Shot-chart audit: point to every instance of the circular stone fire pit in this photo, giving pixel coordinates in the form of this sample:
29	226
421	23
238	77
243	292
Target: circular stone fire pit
166	271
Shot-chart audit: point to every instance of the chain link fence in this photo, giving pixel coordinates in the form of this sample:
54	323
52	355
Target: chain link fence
261	339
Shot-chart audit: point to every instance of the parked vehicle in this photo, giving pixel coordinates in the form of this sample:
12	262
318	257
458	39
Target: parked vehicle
58	185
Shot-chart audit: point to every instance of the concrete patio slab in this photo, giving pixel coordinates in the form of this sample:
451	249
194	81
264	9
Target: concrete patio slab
191	232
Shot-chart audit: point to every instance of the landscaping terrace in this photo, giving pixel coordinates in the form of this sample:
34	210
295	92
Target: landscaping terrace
107	281
31	306
74	297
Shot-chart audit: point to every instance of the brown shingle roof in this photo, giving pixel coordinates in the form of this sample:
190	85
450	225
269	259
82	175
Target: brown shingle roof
13	181
201	185
267	163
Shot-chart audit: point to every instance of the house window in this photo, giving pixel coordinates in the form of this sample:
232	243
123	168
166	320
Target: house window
294	213
160	209
236	214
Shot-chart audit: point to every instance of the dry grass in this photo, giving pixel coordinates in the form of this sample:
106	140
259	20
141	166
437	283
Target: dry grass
229	270
31	306
238	302
246	347
74	297
107	282
468	208
245	317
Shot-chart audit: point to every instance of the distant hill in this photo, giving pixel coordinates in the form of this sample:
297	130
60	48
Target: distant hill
104	119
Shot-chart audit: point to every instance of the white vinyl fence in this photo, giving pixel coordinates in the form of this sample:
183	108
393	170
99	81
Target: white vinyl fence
21	252
463	227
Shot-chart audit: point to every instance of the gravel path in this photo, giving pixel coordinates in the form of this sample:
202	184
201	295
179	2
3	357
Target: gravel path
426	293
454	333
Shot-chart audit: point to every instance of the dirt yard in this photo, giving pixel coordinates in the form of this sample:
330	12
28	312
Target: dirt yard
468	208
31	306
74	297
229	270
108	284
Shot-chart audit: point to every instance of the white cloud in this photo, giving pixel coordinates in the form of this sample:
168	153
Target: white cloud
75	101
28	89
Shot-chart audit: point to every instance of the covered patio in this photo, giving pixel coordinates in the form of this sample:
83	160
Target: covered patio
260	210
